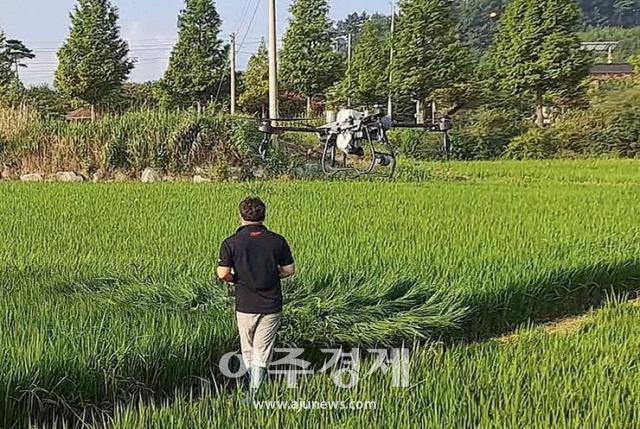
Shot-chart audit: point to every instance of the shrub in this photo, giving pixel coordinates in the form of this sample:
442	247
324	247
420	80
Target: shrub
537	143
611	127
485	134
481	135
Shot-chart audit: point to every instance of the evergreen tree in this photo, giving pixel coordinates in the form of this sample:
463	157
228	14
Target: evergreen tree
367	80
197	67
479	21
255	98
351	25
93	61
429	55
6	75
537	50
17	52
309	65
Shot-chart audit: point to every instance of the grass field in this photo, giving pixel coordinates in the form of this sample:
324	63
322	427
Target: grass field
107	293
581	377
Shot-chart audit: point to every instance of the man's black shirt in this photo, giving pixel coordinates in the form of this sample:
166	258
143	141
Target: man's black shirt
255	253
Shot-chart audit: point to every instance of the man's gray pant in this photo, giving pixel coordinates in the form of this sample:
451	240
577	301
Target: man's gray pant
257	338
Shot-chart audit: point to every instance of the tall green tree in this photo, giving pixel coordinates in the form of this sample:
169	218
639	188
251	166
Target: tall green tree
309	64
367	79
351	25
93	62
197	66
17	53
6	75
429	56
537	50
255	98
479	21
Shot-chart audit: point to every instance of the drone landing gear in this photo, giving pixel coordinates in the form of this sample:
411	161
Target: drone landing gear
372	156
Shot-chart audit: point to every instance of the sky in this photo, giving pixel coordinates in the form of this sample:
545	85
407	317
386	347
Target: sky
150	27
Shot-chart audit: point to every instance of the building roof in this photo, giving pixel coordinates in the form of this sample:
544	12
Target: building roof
611	69
599	46
80	114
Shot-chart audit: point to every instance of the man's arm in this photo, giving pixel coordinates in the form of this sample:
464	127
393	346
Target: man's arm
287	271
287	265
225	264
225	274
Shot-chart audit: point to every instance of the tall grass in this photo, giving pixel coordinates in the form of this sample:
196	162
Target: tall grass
582	378
107	292
171	141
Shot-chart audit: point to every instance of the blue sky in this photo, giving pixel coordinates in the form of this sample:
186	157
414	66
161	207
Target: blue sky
148	25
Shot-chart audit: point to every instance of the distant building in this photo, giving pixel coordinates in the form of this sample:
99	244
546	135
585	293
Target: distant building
608	71
79	115
601	48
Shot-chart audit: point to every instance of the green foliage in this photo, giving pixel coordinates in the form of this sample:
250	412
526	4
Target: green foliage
628	38
635	61
172	141
6	74
485	134
537	49
479	21
138	96
533	378
537	143
12	92
351	25
17	52
611	13
198	62
609	128
309	66
367	80
255	97
47	102
93	60
428	52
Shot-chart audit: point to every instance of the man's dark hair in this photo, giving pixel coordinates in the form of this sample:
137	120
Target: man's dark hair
252	209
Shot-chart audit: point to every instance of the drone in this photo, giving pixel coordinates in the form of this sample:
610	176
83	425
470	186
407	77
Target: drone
356	144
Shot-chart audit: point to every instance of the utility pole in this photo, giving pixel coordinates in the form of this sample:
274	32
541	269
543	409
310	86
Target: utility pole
273	61
349	57
393	29
232	60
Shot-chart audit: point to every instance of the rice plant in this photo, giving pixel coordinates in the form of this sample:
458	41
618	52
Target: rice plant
107	291
586	377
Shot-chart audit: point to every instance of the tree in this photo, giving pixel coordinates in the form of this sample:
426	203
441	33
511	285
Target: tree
197	67
537	50
6	75
367	80
351	25
309	65
479	21
255	98
16	51
93	61
611	13
429	55
46	101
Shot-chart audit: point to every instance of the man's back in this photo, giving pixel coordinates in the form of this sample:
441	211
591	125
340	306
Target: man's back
256	255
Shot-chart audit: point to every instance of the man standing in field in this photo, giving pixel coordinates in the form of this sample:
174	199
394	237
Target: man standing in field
255	260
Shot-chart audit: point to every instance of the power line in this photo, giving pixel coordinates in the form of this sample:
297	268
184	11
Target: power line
253	18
